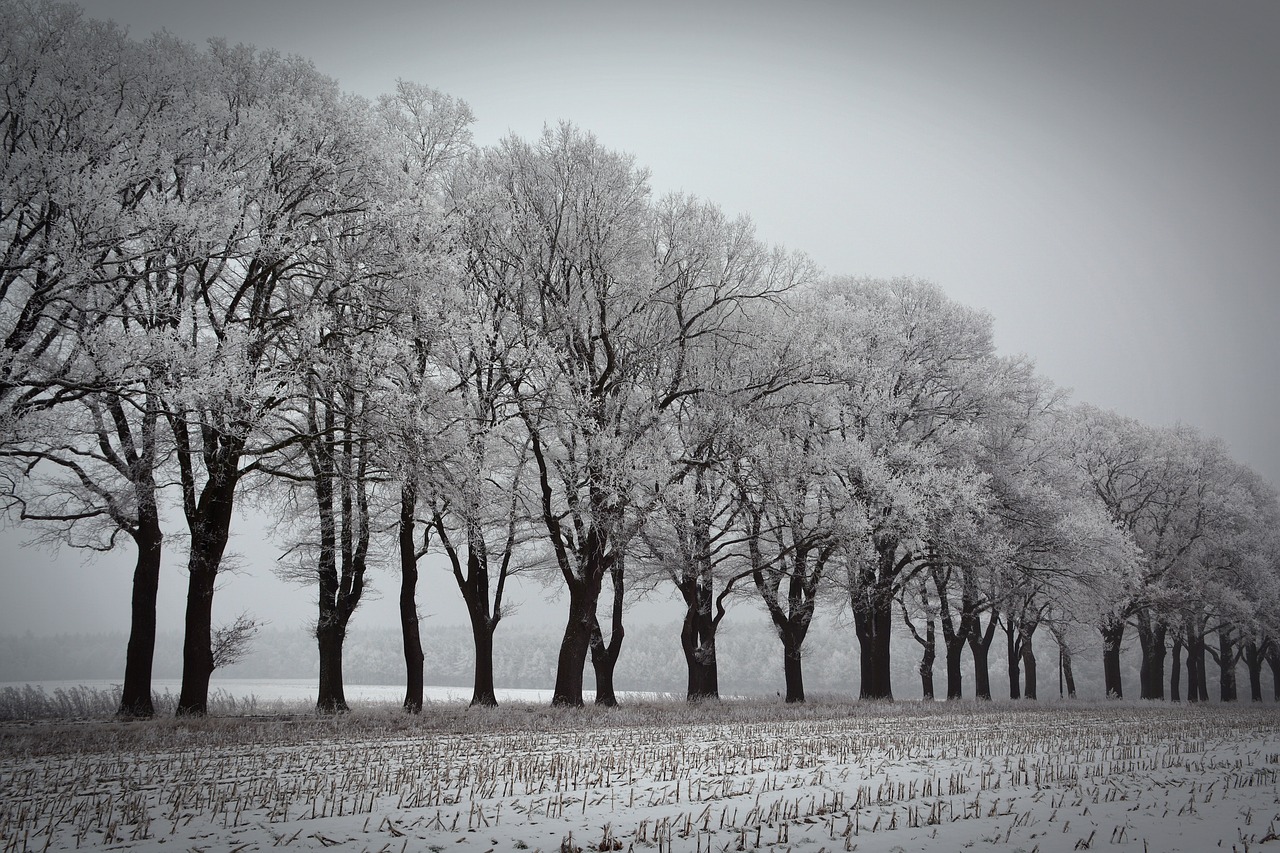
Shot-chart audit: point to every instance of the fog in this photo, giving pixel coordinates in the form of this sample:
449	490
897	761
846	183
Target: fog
1098	177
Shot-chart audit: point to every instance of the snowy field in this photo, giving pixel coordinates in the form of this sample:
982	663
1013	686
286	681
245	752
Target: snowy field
660	776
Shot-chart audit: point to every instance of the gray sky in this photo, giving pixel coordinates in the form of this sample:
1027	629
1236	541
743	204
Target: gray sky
1099	176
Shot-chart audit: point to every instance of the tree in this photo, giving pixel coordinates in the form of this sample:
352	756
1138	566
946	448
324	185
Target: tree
794	518
909	368
284	165
737	368
426	134
96	131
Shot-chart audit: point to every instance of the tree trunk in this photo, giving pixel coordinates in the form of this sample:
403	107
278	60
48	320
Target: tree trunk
1175	671
926	661
1253	660
208	543
1028	667
1067	671
135	697
1013	650
1151	641
604	658
980	648
955	671
698	638
572	661
331	697
873	623
1112	635
1197	682
952	640
482	690
409	630
1226	656
1273	661
792	650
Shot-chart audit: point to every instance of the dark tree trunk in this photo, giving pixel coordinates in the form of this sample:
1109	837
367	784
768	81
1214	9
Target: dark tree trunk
1028	665
979	645
873	623
210	530
952	640
135	697
955	671
1197	682
793	674
1112	636
698	640
1226	658
1067	671
482	690
1151	641
926	661
1253	660
1273	661
872	606
572	661
409	630
604	657
1175	671
331	697
1013	651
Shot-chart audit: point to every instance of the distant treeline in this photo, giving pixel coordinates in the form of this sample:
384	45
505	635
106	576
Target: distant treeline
750	663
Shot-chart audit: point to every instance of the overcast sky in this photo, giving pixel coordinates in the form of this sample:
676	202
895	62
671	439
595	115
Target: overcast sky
1100	176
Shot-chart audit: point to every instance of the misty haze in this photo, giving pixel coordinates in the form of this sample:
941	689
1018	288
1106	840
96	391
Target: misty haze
705	426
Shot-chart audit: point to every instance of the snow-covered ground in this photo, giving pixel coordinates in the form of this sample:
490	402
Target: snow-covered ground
655	776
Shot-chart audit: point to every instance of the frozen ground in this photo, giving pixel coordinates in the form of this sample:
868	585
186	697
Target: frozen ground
655	776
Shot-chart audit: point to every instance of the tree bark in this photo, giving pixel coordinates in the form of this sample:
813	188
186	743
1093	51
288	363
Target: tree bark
410	633
1112	635
873	623
1273	661
1175	671
584	593
210	531
1253	660
872	606
792	671
953	641
604	657
1013	649
1028	666
979	639
1151	641
698	641
1067	671
1226	658
331	697
926	661
135	696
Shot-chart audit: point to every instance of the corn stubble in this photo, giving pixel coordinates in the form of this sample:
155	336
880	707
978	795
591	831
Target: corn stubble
659	776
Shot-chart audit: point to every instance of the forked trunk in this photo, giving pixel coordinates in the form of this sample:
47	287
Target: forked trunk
604	657
572	661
